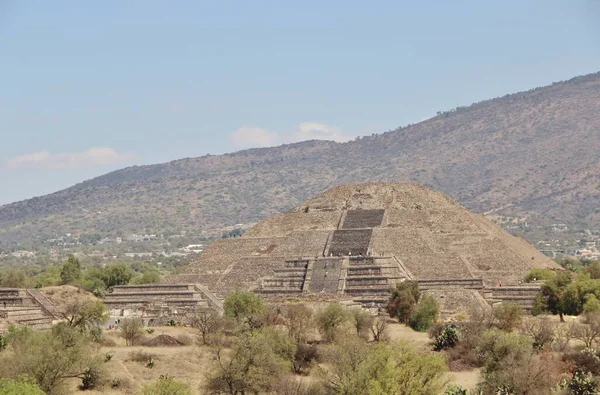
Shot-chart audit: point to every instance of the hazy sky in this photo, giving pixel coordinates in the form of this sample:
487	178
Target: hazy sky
88	87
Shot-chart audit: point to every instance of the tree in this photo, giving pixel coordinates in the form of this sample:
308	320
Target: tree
540	275
331	319
589	331
207	322
403	301
131	330
49	357
166	385
71	270
379	330
425	314
507	316
354	368
552	294
298	321
540	330
254	365
243	306
14	278
363	322
22	385
85	315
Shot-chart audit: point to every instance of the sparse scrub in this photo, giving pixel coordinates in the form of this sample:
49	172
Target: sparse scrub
131	330
166	386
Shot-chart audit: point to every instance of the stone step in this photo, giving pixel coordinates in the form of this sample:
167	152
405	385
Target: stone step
366	290
154	287
152	293
137	301
279	291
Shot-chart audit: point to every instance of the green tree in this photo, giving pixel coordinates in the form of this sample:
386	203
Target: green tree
553	294
243	306
355	368
85	315
70	272
403	301
540	275
22	385
14	278
425	314
254	365
117	274
49	357
331	319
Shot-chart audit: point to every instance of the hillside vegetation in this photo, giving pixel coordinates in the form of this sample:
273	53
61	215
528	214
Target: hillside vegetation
535	153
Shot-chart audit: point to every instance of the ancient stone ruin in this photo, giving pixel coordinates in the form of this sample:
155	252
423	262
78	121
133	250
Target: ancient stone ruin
354	242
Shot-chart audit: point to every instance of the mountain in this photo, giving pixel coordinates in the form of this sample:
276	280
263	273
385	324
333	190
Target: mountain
533	154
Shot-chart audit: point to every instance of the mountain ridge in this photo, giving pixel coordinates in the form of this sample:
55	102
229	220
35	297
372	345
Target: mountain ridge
533	150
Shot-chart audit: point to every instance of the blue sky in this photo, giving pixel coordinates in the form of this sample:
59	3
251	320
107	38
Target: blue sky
89	87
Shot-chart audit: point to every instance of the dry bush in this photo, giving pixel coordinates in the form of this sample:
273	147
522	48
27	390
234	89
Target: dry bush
540	330
208	323
186	340
140	356
298	320
508	316
586	360
563	334
105	341
589	331
131	330
461	358
379	330
304	358
290	385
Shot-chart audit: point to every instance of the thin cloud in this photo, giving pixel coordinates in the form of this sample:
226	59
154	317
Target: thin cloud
252	137
320	131
96	156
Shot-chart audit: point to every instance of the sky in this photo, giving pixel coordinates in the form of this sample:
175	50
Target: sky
90	87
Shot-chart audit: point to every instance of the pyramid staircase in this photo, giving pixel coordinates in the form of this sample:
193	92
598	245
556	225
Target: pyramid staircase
522	295
19	307
167	295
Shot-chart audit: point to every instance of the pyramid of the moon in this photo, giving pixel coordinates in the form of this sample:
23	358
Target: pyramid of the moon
356	241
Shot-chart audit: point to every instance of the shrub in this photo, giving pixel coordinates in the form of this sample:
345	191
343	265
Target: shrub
166	385
131	330
140	356
3	342
539	275
90	378
243	306
305	355
454	389
363	322
581	384
507	316
425	314
403	301
448	338
23	385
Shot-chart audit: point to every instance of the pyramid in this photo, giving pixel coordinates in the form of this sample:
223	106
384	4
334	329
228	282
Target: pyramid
356	241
